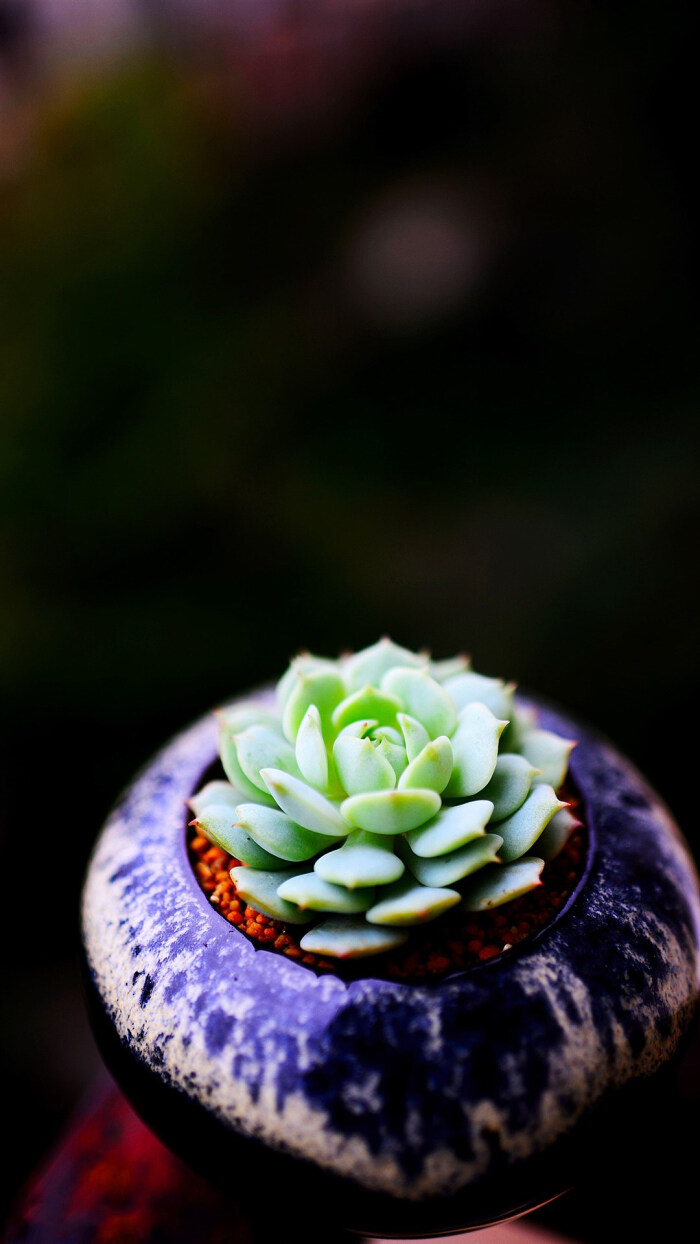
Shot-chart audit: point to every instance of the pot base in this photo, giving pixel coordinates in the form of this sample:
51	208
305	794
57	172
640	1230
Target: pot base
605	1141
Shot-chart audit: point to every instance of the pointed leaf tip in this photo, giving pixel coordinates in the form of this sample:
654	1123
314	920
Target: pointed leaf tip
556	833
304	804
521	830
431	768
500	883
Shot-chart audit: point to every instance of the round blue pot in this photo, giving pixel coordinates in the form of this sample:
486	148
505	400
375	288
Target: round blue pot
421	1108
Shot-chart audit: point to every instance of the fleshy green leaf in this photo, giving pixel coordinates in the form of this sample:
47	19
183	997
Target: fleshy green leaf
259	888
390	811
415	735
549	753
499	883
556	834
258	748
363	860
407	902
451	828
309	891
472	688
242	714
278	833
445	870
311	754
306	663
389	733
358	729
307	806
475	748
367	702
423	698
324	688
395	753
220	826
431	768
449	668
351	938
223	794
371	664
234	772
361	766
523	720
521	830
509	786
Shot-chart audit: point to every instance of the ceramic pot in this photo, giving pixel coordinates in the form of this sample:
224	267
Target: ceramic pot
422	1108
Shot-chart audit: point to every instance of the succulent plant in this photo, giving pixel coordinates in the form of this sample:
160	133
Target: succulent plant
385	790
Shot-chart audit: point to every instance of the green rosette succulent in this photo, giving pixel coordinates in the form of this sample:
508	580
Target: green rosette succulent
384	790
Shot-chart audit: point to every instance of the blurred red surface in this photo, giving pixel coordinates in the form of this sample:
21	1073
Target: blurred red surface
111	1182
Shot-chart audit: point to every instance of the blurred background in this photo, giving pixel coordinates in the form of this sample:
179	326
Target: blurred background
323	319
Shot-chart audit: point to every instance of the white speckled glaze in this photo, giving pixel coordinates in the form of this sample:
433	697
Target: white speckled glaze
413	1091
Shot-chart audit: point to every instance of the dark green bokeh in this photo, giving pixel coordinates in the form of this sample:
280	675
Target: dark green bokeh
212	454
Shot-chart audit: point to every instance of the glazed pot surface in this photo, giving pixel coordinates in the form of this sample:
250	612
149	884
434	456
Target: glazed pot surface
437	1100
